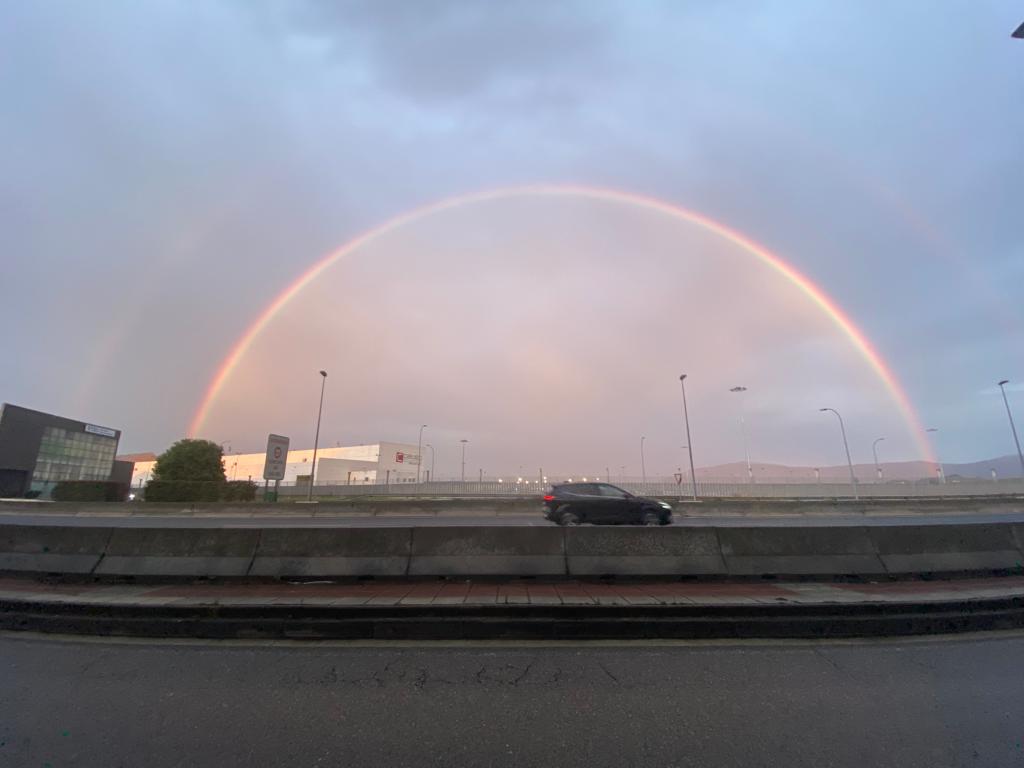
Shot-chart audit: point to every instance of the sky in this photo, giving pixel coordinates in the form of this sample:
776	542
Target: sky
170	168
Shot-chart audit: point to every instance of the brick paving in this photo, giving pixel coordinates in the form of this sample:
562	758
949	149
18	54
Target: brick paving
513	592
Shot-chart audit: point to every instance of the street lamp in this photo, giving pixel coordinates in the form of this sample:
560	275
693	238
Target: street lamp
689	443
428	445
1004	382
942	470
743	431
316	438
463	441
643	463
846	447
874	452
419	452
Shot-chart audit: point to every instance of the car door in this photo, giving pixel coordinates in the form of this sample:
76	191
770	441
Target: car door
588	504
614	504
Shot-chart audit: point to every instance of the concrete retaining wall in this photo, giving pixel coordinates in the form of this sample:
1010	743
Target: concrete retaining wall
512	551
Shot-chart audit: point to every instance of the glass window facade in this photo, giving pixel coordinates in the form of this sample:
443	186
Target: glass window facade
72	455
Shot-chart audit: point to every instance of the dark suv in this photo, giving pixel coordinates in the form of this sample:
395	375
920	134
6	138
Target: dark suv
575	503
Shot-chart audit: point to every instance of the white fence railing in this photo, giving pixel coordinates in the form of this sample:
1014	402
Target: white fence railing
705	489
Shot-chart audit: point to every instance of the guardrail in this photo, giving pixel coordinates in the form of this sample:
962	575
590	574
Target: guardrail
705	489
512	551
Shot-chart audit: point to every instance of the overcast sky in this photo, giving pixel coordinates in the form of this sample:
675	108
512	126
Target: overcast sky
168	168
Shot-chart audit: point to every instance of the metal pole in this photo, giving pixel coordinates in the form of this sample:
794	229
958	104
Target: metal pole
1009	415
846	447
689	444
419	452
874	452
643	464
428	445
743	432
941	469
316	438
464	441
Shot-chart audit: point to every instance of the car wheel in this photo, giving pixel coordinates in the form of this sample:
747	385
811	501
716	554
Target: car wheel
569	518
652	518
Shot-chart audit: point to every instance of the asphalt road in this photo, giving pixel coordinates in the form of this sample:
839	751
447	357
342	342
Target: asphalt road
930	703
401	521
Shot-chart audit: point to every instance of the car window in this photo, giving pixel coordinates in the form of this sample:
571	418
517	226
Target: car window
611	491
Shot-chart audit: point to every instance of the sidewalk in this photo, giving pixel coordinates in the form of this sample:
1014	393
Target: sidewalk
510	592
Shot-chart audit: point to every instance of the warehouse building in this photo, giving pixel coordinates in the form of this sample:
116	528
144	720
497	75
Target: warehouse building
377	463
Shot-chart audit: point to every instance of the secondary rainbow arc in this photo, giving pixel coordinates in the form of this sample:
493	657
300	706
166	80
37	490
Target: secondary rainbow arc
816	294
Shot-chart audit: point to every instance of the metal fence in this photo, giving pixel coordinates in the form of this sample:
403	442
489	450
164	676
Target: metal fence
705	489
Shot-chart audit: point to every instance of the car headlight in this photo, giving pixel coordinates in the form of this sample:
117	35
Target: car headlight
663	505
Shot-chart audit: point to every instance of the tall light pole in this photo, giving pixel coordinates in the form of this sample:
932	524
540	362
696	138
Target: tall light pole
689	443
874	452
942	469
743	431
419	452
428	445
643	463
463	441
316	438
846	447
1002	385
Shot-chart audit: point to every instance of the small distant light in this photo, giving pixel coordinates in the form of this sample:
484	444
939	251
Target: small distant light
500	480
519	479
131	497
584	479
569	480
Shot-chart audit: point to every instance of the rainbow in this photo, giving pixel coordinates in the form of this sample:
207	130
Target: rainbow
800	281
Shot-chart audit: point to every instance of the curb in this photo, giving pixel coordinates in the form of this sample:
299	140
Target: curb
514	622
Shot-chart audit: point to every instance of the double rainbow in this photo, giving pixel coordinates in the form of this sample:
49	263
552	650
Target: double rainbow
802	282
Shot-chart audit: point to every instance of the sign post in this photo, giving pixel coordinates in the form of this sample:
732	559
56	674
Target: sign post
275	463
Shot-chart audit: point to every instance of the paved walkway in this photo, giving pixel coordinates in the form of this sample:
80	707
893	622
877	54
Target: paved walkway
468	592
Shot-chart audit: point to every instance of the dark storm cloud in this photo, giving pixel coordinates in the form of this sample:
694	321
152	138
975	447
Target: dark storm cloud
169	166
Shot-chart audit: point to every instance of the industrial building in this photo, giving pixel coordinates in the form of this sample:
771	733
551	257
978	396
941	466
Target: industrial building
378	463
39	450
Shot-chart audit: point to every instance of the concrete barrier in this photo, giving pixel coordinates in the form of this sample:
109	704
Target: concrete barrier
512	551
804	550
51	549
477	551
332	552
178	552
936	548
642	551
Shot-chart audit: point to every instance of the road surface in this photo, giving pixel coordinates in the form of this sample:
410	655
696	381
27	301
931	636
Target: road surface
929	703
145	520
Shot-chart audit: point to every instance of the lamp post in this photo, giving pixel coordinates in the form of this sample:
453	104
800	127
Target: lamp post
942	469
432	475
743	432
463	441
874	452
846	447
419	452
1002	385
643	463
316	438
689	443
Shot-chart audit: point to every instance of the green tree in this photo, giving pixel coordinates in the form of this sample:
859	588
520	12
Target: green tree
190	470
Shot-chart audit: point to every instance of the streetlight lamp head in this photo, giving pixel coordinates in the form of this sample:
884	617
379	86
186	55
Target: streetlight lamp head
1004	382
324	374
931	429
738	389
823	409
683	376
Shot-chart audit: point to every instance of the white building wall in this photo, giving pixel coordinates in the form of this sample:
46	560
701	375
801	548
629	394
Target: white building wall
376	458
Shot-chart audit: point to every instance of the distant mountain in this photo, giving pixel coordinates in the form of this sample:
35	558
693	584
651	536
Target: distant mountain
1005	466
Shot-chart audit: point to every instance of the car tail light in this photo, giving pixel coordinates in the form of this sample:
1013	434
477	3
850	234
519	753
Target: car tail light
549	497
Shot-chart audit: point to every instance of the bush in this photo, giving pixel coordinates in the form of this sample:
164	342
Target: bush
190	470
181	490
88	490
239	490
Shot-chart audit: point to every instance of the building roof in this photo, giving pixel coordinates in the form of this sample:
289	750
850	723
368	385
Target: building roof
135	457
